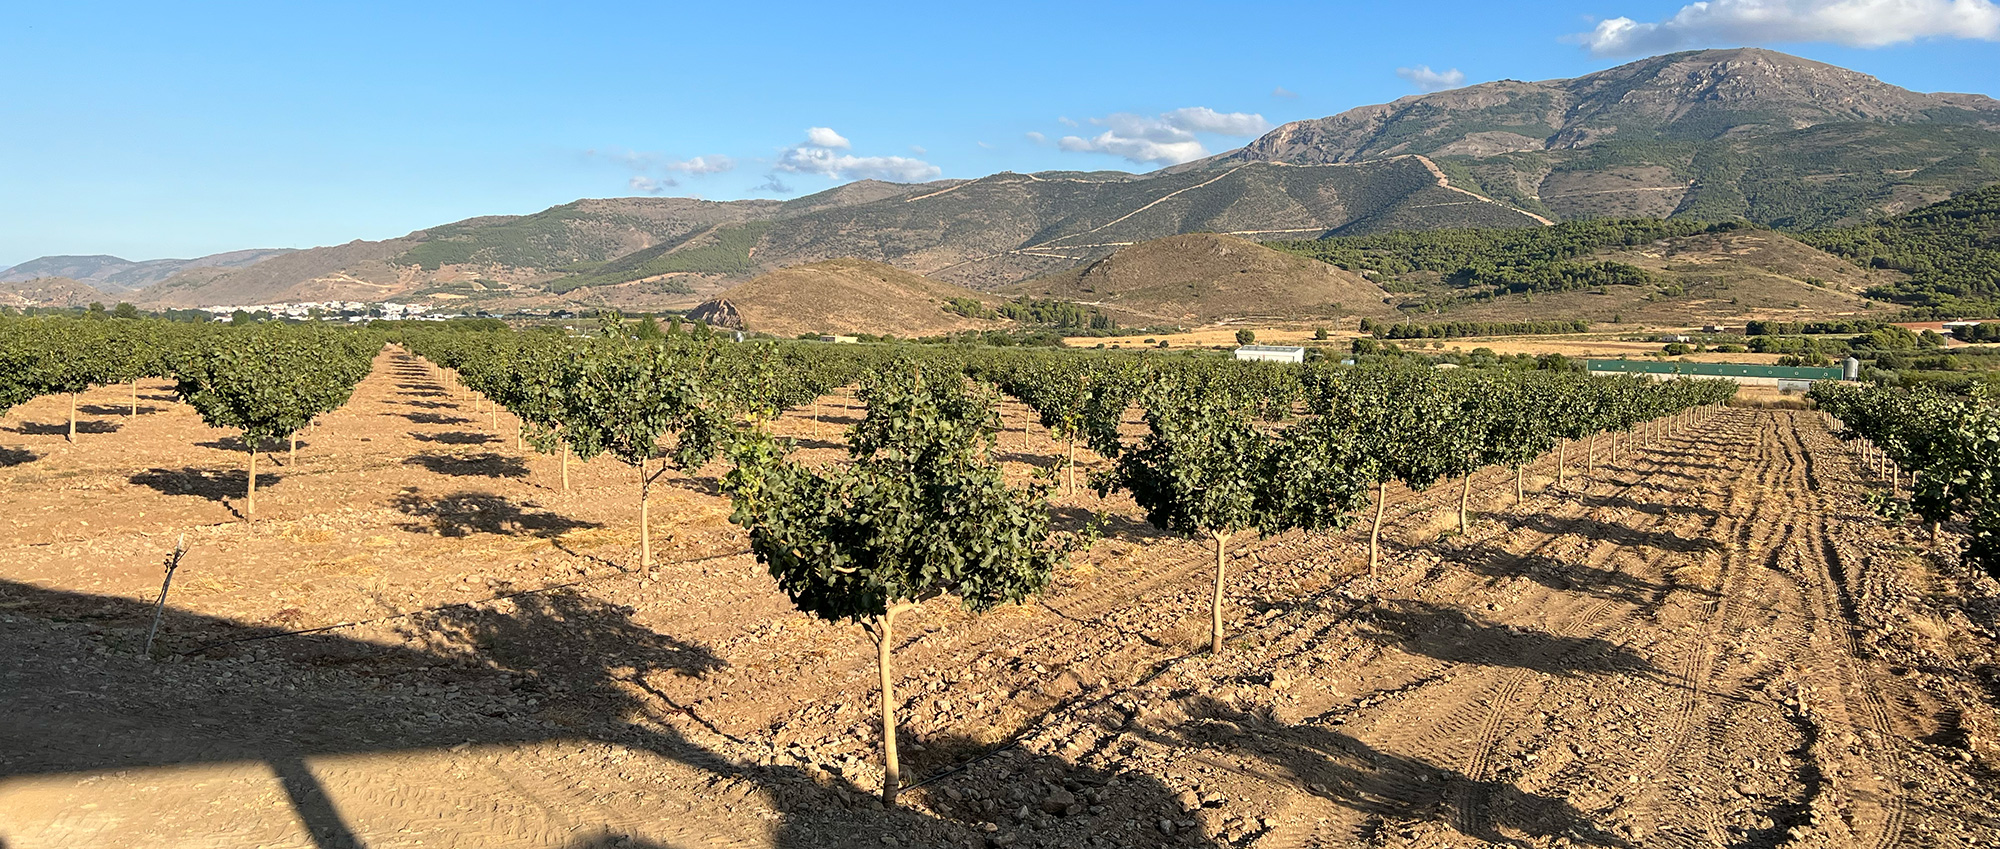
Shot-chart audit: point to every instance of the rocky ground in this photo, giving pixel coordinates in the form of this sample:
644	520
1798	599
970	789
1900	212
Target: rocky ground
1712	641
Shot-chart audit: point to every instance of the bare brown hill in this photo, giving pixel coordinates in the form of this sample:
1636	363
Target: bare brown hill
48	292
846	296
1203	277
356	271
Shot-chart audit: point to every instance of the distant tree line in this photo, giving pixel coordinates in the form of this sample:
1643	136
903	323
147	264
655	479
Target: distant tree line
1765	327
1461	329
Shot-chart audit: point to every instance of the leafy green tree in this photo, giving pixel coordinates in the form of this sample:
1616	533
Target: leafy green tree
626	397
266	383
1205	470
125	310
1246	336
921	512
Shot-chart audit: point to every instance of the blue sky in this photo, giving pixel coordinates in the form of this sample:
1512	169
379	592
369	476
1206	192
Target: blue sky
149	130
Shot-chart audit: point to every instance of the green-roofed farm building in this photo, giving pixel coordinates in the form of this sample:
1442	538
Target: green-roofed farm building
1782	378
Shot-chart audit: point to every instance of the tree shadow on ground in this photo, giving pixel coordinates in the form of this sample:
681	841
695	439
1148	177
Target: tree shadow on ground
1385	787
1112	525
428	405
483	465
1451	635
1608	584
563	665
220	486
237	445
10	457
1607	531
432	418
1619	502
456	437
61	428
115	409
461	514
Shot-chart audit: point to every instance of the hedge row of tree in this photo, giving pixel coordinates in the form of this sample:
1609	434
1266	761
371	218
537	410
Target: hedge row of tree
1461	329
266	382
922	510
1947	445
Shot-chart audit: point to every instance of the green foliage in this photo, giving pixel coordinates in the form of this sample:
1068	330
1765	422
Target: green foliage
1460	329
1950	250
1057	314
1769	327
627	395
1245	336
970	308
270	382
1493	261
921	511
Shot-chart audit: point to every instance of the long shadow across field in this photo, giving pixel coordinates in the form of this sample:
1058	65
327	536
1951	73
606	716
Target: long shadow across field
1449	634
1383	786
1562	576
80	699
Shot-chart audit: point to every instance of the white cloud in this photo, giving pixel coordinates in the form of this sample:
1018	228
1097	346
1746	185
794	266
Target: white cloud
1854	23
1428	80
1036	137
818	156
772	184
1285	93
826	137
918	149
1068	122
1165	140
650	185
702	165
1202	119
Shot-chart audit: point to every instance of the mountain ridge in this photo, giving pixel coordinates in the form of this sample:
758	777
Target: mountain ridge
1710	135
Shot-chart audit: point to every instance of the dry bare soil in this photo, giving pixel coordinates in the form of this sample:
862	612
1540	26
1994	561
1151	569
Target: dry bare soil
423	640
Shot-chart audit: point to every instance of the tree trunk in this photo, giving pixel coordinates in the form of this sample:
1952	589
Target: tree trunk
292	452
1215	608
1375	533
1520	494
892	775
250	495
565	464
1072	465
1464	495
135	396
72	417
1590	457
1562	466
645	525
815	418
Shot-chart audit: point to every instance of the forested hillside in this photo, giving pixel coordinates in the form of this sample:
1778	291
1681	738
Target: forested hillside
1950	252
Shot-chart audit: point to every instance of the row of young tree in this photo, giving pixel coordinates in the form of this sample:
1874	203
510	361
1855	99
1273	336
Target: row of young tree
923	509
267	382
1939	454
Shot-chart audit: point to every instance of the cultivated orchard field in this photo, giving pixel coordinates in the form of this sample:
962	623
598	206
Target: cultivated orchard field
525	590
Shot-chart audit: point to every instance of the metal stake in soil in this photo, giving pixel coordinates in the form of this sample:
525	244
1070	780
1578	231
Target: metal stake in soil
173	562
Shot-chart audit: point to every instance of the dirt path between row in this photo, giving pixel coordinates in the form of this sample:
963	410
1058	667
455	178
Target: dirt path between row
1711	642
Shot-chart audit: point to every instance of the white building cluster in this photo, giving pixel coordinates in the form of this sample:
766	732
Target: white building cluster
352	311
